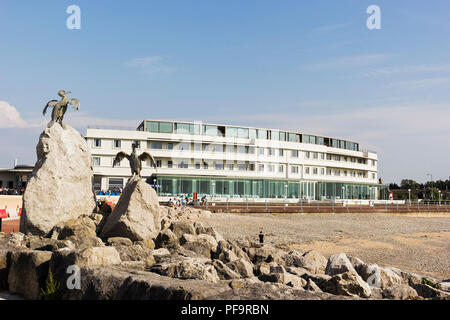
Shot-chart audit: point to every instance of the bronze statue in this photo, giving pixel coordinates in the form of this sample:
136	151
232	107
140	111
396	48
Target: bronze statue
135	160
60	107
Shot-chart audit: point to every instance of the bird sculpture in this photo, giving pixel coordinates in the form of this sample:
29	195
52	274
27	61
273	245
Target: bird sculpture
60	107
135	160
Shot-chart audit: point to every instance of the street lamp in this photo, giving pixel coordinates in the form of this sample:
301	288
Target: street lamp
285	190
409	196
439	192
213	188
432	194
343	190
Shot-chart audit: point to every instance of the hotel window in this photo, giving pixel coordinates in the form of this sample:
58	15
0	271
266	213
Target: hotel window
205	147
183	146
158	163
242	149
274	135
328	172
183	128
280	168
169	164
345	173
270	151
294	169
262	134
152	126
166	127
243	133
252	134
183	165
260	167
219	166
307	170
197	165
155	144
307	155
230	149
328	156
294	153
315	155
96	161
322	171
322	156
352	159
170	146
282	136
231	132
218	147
97	143
281	152
230	166
345	159
261	151
117	144
373	176
320	140
337	172
242	167
137	143
197	147
337	158
292	137
315	170
372	162
271	167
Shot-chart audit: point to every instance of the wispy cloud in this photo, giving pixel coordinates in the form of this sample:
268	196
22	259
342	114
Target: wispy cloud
149	65
331	27
419	84
349	62
409	69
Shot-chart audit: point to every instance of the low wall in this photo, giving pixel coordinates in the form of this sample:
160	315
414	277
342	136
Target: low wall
10	206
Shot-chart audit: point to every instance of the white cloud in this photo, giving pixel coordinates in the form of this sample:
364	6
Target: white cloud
149	65
409	69
349	62
418	84
10	117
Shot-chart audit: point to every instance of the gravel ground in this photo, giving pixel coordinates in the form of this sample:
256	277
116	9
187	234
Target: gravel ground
415	243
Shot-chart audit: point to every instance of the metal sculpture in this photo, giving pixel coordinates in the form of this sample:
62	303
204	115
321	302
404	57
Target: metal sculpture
60	107
134	159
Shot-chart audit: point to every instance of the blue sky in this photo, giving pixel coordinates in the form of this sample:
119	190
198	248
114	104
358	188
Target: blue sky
306	66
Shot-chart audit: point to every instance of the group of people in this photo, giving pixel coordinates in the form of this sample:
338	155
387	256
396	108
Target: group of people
12	191
181	201
116	191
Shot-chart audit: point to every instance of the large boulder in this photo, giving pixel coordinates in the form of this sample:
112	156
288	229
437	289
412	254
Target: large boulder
202	244
136	215
400	292
312	261
60	186
28	272
338	263
379	277
187	268
242	267
349	284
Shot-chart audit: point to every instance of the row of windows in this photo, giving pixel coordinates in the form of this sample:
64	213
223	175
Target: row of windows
243	133
158	145
220	165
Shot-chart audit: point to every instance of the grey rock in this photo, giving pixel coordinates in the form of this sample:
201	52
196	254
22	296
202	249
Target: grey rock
223	271
119	241
242	267
348	283
136	215
400	292
166	239
202	244
28	272
338	263
181	227
63	163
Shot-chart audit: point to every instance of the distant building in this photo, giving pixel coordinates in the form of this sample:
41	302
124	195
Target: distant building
237	162
16	177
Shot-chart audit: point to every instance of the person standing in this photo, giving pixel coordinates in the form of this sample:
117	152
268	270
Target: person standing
261	237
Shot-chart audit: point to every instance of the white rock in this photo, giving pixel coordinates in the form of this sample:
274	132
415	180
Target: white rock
60	187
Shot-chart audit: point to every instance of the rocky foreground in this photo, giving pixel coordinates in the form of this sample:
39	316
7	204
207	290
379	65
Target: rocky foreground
186	260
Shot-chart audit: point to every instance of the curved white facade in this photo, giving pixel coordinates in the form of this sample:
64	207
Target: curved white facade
261	159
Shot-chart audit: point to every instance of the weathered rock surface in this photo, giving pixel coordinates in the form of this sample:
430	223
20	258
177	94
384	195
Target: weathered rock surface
60	186
202	244
187	268
348	283
338	263
136	215
379	277
28	272
242	267
400	292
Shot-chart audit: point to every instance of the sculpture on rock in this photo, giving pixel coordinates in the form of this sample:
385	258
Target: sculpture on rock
60	107
135	160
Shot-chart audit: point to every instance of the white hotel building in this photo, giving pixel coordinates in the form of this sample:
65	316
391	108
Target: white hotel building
225	161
